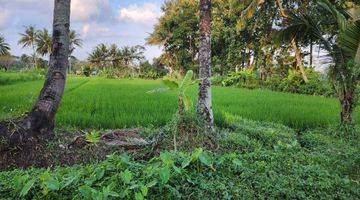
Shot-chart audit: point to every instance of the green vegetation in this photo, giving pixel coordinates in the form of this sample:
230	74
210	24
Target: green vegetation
254	161
112	103
293	83
7	78
118	135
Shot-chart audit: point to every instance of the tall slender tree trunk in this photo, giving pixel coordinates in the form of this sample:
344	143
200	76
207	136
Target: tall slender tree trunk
41	118
311	53
294	44
347	106
204	106
299	60
281	8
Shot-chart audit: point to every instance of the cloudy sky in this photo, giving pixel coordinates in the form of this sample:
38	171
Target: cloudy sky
123	22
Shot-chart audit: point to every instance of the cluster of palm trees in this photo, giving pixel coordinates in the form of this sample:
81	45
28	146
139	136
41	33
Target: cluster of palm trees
41	41
4	47
104	56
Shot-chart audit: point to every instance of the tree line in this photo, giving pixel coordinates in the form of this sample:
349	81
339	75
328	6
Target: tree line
40	42
267	38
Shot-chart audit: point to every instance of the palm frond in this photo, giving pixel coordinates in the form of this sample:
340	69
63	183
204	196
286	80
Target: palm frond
349	40
338	16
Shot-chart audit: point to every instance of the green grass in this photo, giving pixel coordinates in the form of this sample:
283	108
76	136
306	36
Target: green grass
7	78
111	103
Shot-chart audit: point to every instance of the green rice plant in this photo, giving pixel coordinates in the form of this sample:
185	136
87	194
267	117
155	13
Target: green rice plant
7	78
101	103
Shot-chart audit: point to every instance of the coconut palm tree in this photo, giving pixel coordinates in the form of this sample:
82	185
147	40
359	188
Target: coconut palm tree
4	47
204	104
99	56
40	120
75	41
131	54
115	55
28	39
43	42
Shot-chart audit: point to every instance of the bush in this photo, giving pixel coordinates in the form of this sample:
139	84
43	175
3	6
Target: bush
292	83
254	161
86	70
244	79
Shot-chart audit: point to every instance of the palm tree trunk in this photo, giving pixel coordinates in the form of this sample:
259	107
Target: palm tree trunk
299	60
347	107
34	56
311	53
281	8
293	44
41	118
204	106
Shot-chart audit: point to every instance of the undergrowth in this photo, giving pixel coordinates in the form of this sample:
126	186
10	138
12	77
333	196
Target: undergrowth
254	161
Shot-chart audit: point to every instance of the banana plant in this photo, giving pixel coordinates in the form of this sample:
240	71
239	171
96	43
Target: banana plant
180	86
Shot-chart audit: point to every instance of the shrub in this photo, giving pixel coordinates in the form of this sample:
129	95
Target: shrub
86	70
292	83
245	79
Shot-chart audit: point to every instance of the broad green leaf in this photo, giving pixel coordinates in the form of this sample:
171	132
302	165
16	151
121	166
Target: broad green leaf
69	180
151	184
24	191
144	190
186	162
166	158
52	184
99	173
126	176
195	155
206	159
49	181
86	191
187	102
171	84
164	174
187	80
107	192
176	169
138	196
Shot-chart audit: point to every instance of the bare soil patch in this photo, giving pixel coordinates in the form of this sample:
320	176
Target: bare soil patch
66	148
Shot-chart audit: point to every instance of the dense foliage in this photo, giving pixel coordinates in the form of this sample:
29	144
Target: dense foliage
255	160
317	83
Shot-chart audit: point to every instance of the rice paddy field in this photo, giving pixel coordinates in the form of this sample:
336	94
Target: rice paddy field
111	103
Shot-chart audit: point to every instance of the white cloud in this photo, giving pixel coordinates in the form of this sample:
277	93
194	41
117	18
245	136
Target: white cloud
94	29
148	13
86	10
4	16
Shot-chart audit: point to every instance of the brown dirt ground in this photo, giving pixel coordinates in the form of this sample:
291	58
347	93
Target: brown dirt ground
67	148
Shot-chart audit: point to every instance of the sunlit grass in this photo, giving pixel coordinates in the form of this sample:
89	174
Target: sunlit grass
111	103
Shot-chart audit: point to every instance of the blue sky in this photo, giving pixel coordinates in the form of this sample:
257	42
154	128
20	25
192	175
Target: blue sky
123	22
